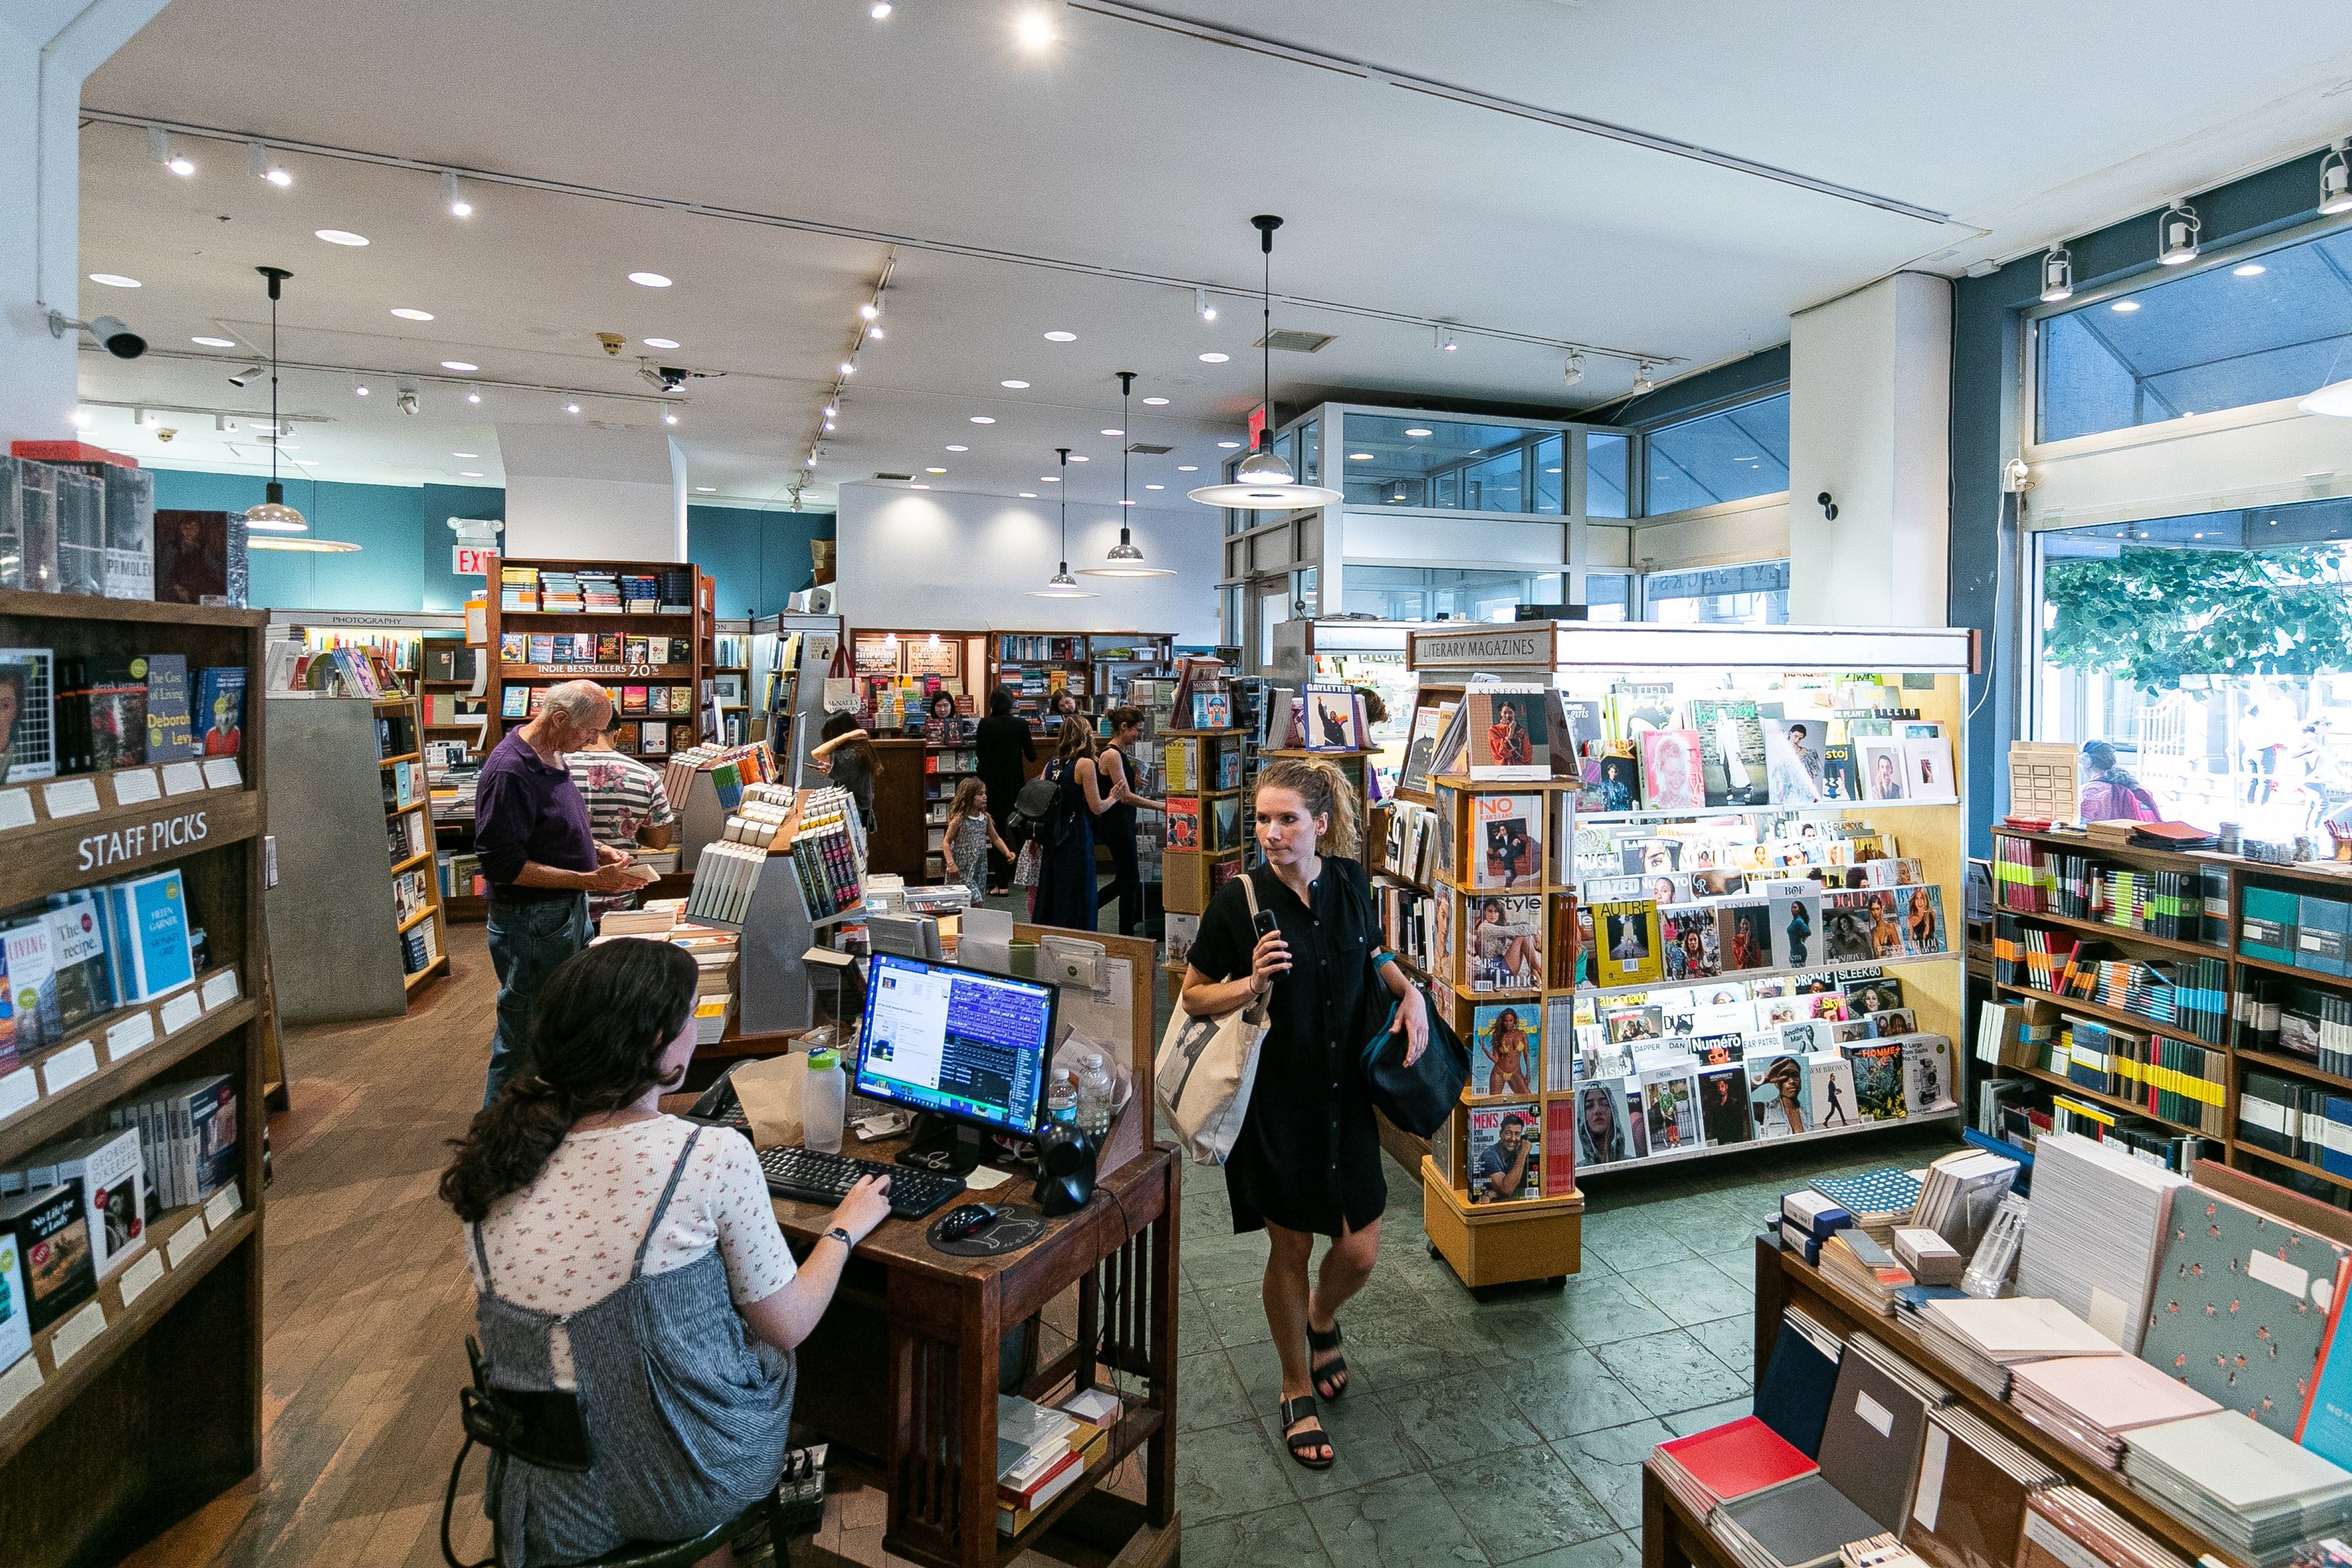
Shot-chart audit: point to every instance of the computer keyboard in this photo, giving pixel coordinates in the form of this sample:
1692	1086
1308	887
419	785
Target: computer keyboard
812	1176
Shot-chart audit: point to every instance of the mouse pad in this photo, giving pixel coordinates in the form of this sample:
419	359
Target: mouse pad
1014	1228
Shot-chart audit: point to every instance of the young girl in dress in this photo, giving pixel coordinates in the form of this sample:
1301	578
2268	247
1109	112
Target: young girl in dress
970	832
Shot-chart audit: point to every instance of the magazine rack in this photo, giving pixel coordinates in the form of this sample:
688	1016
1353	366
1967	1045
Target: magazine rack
1192	876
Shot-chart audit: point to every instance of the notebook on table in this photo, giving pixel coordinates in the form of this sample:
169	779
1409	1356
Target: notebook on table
1871	1440
1799	1381
1801	1524
1968	1509
1729	1461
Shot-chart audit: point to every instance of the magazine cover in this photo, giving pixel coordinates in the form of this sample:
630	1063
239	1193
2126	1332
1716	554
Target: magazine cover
1780	1089
1928	761
1807	1037
1505	943
1421	746
1833	1078
1581	720
1504	1053
1929	1074
1662	888
1744	930
1794	918
1850	1031
1611	782
1880	761
1507	833
1691	949
1180	930
1648	856
1792	761
1508	738
1183	823
1602	1136
28	742
1720	1050
1637	1119
1633	1022
1893	1021
1224	822
1877	1079
1922	919
1505	1162
1229	765
1845	926
1626	944
1840	780
1641	706
1448	868
1718	881
1212	710
1670	1101
1723	1104
1731	751
1874	994
1330	716
1671	776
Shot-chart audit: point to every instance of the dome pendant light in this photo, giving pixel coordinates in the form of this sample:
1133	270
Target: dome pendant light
1061	584
1262	482
1126	557
273	515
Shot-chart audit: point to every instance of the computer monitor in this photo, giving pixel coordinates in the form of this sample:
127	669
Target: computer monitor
960	1043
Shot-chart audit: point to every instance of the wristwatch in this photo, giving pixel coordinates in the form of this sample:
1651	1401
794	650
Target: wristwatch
842	1237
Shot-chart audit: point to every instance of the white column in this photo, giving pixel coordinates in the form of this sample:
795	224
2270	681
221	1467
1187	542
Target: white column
46	49
1869	378
600	495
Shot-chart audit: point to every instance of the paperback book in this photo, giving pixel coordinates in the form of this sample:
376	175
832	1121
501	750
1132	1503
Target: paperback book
1603	1133
1779	1094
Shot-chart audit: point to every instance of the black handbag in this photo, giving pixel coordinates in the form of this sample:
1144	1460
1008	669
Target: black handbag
1417	1099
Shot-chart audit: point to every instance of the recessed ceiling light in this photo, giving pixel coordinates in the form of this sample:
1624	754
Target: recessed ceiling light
1114	432
1061	337
935	470
1049	478
661	343
2124	307
953	449
114	280
2249	269
1014	385
1359	456
1035	30
649	279
213	342
1229	446
1155	402
847	367
1155	487
469	473
1417	431
459	365
981	419
705	489
1214	358
1188	467
1075	458
406	314
465	454
572	408
918	487
341	236
473	398
1028	495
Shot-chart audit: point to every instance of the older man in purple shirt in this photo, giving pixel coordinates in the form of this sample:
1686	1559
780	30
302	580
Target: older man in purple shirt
541	861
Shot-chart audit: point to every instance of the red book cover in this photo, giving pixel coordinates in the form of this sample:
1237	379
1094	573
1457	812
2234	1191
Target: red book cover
1738	1458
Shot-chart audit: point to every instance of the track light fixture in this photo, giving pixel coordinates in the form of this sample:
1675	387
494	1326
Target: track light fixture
404	396
1642	385
1202	307
1573	370
2177	229
262	166
1443	338
159	150
455	195
2057	275
2335	179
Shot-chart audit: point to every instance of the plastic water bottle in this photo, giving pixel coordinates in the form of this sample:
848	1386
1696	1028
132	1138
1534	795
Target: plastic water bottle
1096	1093
822	1101
1061	1100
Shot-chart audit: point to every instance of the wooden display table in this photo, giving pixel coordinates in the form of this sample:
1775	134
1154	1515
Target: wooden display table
1501	1244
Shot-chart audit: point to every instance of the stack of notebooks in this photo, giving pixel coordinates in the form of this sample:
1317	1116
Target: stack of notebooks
1854	1260
1962	1190
1726	1462
2090	1402
1042	1451
2252	1491
2066	1527
1878	1200
1970	1507
2099	1221
1982	1340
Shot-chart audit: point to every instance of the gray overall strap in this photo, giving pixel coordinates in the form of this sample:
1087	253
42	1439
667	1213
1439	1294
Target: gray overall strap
662	1206
481	1255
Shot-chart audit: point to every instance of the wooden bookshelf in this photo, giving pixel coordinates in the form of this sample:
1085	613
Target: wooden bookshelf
692	627
1189	876
1101	659
155	1408
428	914
902	660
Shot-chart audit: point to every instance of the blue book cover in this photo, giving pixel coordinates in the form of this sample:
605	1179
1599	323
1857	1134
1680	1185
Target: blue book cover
220	710
170	738
2335	1149
2267	922
147	931
1873	1191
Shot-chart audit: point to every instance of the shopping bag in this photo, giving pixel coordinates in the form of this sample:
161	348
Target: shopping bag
1025	865
1206	1065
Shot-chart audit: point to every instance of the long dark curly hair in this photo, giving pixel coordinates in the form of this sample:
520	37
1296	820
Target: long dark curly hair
604	1020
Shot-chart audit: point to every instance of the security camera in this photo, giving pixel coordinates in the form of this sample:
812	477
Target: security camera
165	434
111	335
613	342
405	398
666	377
248	375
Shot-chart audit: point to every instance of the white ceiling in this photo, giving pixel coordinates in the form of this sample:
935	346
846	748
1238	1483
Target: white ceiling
1119	147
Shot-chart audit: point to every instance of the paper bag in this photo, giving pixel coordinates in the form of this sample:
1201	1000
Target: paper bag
770	1091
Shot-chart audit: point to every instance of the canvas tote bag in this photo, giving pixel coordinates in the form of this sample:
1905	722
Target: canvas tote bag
1203	1075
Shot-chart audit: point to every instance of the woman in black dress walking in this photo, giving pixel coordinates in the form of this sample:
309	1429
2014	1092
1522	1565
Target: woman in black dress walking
1307	1160
1064	894
1003	744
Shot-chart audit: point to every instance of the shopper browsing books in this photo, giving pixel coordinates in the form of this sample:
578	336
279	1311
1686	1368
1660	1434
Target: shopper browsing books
1307	1162
1116	827
970	838
845	753
1066	893
1001	746
2109	793
627	805
629	1268
541	858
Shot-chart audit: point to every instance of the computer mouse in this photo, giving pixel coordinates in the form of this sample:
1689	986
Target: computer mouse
962	1223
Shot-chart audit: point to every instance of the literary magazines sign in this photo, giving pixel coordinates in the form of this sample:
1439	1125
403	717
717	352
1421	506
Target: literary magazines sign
1528	646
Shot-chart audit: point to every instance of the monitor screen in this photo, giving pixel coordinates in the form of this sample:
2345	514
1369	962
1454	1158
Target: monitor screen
960	1042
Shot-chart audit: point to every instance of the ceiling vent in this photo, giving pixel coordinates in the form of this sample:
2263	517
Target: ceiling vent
894	476
1289	340
1149	449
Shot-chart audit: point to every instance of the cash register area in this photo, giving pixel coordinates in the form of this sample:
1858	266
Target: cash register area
1508	1431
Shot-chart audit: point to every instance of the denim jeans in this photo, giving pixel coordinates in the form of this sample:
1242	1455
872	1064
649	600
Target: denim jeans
527	940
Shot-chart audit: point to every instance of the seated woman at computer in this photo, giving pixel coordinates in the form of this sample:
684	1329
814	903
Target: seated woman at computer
1307	1160
633	1260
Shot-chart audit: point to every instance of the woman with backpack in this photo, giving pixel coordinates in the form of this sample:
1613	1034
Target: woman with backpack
1064	894
2111	794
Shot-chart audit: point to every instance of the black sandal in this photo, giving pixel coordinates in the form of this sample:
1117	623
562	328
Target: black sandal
1330	1379
1302	1445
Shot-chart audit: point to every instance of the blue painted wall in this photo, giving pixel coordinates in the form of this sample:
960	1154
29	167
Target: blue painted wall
757	559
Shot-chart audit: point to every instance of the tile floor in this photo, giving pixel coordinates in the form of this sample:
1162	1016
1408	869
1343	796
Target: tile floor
1508	1431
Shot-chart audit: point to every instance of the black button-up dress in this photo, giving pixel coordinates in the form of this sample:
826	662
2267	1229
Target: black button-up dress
1308	1155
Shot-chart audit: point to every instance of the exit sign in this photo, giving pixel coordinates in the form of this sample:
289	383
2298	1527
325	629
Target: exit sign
472	559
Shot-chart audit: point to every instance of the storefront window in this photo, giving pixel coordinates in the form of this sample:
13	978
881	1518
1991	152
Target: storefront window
1410	461
1310	453
1304	594
1756	595
1446	593
1730	455
1609	596
1605	474
2212	651
2253	330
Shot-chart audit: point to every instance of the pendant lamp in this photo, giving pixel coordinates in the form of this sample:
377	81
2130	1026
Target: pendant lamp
1264	482
273	515
1061	584
1126	557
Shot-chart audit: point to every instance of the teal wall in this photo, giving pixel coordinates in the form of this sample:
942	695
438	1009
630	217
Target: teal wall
756	558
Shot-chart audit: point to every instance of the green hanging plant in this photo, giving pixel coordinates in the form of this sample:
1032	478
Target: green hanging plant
2151	617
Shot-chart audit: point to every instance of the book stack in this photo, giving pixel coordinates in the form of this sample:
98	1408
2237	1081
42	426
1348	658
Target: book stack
518	587
600	592
1926	1256
674	590
187	1137
2092	1402
2099	1223
826	857
2301	1120
1878	1200
1971	1503
108	1173
1961	1191
1855	1260
2276	1014
640	594
725	875
2066	1527
559	591
420	948
1808	1218
2246	1486
1734	1460
1983	1340
1041	1452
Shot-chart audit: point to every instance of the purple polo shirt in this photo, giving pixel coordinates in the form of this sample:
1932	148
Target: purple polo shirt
525	810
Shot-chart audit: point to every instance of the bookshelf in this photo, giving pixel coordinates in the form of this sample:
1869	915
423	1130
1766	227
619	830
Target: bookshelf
520	652
140	1407
405	792
792	653
1202	829
1036	665
895	670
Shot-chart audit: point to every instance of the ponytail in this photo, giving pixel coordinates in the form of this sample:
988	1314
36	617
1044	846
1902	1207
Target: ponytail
1325	791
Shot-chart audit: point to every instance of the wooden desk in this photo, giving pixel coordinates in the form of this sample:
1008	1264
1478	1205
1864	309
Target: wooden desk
936	1323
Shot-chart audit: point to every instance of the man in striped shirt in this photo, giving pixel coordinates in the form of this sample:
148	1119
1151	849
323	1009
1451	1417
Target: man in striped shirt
626	805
